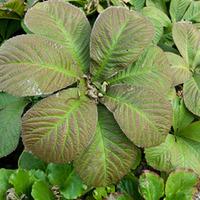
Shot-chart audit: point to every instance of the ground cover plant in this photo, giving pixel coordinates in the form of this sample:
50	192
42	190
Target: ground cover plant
105	96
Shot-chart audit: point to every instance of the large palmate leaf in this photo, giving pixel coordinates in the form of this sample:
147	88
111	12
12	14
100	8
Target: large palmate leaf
11	109
32	65
118	37
182	185
63	23
151	185
178	9
180	151
151	70
143	114
180	70
109	156
59	127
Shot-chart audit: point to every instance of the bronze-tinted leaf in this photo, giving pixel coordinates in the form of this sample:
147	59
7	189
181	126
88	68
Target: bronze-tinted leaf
143	115
59	127
118	37
63	23
110	155
32	65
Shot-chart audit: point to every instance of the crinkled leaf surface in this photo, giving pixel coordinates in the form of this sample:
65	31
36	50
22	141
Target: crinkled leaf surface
143	114
109	156
59	127
11	109
32	65
180	151
41	191
29	161
178	9
181	185
63	23
4	182
151	69
64	176
118	37
151	186
179	68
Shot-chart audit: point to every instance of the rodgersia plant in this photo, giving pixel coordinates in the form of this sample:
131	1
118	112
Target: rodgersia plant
106	89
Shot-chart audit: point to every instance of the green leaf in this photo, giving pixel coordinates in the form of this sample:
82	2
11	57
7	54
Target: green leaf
59	127
11	109
186	37
109	156
29	161
181	185
151	70
138	4
193	12
21	181
4	182
64	176
142	114
100	193
159	19
65	24
17	6
151	186
157	4
42	191
115	43
181	116
180	151
38	175
25	63
180	70
191	94
129	185
191	131
178	9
